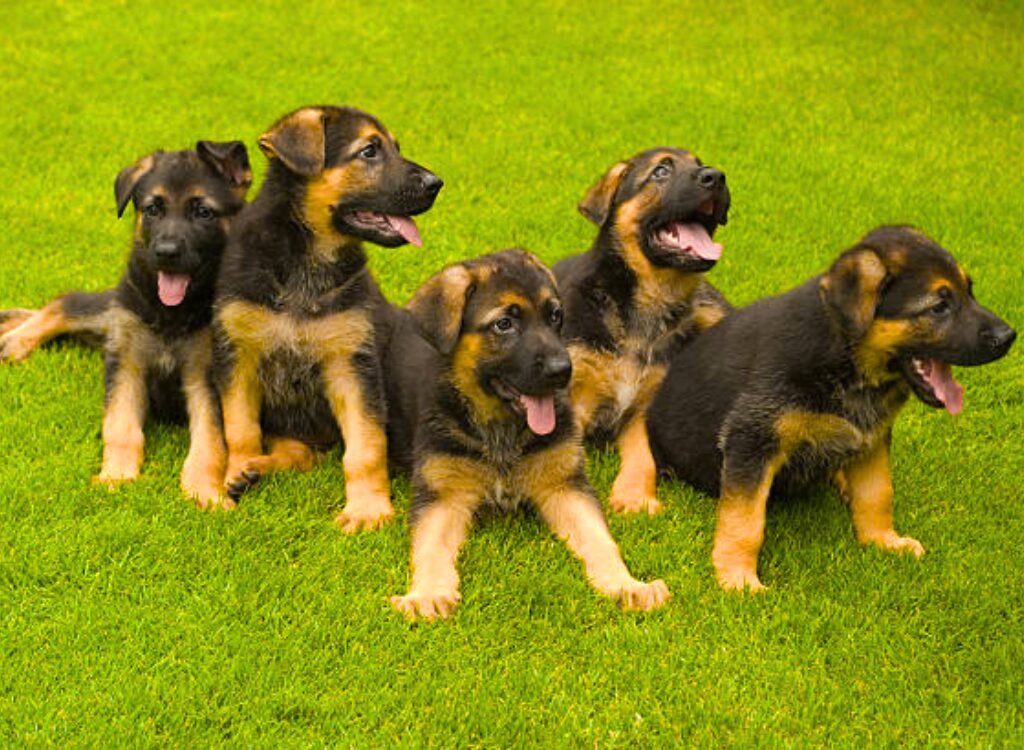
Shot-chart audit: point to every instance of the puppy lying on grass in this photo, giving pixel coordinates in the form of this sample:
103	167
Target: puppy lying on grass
155	325
494	426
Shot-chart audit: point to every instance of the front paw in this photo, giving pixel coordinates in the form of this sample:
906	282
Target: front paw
366	514
900	544
426	606
206	494
643	597
631	502
113	477
739	579
202	485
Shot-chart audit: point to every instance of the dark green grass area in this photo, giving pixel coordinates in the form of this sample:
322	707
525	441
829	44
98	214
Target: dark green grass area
129	618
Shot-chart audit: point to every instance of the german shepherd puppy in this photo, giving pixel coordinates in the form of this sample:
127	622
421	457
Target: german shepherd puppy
636	295
155	325
297	356
807	386
494	427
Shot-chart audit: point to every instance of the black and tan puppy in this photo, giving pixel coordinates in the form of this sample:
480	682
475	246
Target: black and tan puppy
806	386
298	361
636	295
495	427
155	325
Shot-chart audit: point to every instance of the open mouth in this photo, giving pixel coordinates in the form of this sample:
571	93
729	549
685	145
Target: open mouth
390	225
691	237
932	382
172	287
538	410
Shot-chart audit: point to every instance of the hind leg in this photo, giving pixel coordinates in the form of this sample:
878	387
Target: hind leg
283	454
10	319
77	313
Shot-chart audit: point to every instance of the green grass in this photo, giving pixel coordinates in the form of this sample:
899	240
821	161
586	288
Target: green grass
132	619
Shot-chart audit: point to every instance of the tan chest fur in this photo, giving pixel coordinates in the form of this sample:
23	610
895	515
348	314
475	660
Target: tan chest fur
472	483
608	386
137	345
258	329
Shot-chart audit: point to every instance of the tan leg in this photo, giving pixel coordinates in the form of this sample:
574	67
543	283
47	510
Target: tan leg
575	517
868	483
283	454
123	439
10	319
202	476
436	540
365	462
33	330
240	402
635	486
740	532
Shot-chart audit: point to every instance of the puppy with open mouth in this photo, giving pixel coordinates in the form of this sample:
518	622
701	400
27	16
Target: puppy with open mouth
636	296
806	386
485	416
298	315
155	325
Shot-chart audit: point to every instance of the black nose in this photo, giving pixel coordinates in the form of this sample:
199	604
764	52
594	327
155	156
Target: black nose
167	250
432	183
1000	338
710	178
557	369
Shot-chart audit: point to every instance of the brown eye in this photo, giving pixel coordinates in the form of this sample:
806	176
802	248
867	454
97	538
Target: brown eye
555	316
369	152
504	325
660	172
203	212
940	309
152	209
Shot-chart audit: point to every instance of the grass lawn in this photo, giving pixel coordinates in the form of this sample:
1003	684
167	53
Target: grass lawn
129	618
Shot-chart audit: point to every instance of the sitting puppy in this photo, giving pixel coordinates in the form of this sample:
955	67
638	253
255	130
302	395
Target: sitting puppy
494	426
636	295
155	325
806	386
298	311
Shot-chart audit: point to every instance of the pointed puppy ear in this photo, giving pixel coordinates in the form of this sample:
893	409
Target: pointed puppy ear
230	159
597	203
851	289
128	179
298	141
438	306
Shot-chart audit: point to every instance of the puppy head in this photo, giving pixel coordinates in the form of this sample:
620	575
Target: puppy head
908	311
184	201
667	202
356	181
497	319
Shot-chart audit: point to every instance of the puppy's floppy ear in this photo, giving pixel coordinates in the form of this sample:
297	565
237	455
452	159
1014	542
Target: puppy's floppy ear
439	304
298	141
597	203
230	159
851	289
128	179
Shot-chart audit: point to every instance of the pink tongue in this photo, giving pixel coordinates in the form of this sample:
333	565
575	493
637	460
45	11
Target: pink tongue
540	413
405	227
692	238
939	376
172	287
